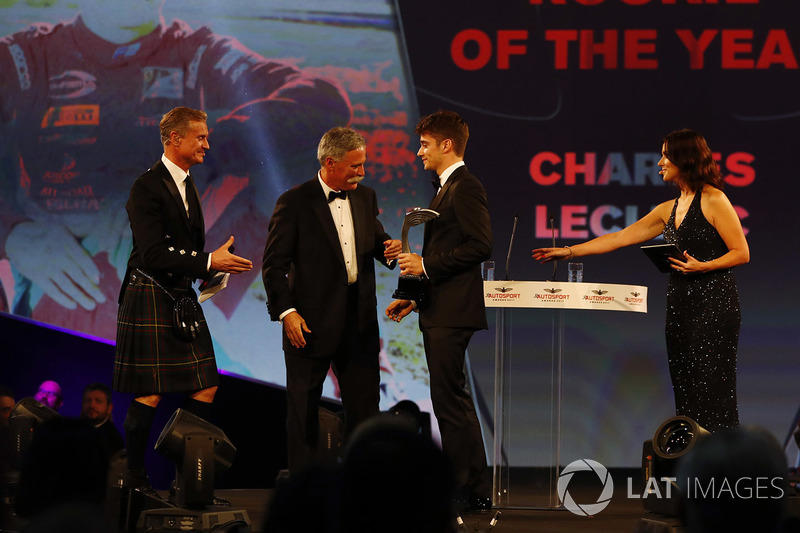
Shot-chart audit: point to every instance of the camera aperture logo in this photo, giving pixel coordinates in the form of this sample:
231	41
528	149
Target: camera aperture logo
585	465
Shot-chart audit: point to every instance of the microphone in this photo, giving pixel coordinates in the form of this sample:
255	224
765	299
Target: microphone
510	245
553	232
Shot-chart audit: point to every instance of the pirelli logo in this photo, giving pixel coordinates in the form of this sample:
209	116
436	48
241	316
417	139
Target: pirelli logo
71	115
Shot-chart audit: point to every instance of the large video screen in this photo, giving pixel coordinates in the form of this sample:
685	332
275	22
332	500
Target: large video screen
84	85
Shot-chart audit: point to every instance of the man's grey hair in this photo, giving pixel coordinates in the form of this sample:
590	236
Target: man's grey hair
337	142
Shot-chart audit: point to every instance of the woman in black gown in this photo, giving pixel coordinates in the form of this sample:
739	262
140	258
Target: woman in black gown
703	317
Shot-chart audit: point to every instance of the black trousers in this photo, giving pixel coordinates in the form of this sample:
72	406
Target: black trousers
358	374
462	441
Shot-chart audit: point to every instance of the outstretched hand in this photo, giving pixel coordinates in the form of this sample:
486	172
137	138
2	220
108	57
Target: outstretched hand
224	261
545	255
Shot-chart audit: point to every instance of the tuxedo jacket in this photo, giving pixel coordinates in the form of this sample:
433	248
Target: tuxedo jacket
303	266
167	243
455	245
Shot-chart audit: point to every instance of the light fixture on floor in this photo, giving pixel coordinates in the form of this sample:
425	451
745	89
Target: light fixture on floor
26	416
676	436
673	439
409	413
201	451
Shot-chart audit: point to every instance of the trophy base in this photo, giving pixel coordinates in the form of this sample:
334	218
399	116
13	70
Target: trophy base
410	287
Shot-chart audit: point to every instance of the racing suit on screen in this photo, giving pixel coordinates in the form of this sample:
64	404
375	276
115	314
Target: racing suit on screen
78	115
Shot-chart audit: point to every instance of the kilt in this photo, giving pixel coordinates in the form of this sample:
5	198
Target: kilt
150	357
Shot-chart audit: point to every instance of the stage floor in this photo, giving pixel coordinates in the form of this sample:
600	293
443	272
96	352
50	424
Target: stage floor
623	515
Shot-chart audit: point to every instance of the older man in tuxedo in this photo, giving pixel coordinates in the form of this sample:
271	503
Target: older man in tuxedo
319	276
455	245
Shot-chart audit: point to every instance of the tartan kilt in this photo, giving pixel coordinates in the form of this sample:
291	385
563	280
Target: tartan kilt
150	357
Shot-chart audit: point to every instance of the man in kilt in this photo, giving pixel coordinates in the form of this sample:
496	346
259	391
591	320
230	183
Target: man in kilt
153	356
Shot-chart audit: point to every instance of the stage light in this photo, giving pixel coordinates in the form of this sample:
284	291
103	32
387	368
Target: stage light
673	439
676	436
331	428
331	437
201	451
409	413
26	416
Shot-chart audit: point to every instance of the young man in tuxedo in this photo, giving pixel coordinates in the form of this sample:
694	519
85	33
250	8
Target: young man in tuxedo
455	245
319	275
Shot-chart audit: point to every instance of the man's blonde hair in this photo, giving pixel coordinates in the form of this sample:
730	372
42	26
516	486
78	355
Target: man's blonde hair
178	119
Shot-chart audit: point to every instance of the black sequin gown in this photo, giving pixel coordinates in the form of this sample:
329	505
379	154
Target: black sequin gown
702	329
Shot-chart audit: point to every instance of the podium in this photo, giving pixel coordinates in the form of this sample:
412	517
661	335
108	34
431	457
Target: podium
557	297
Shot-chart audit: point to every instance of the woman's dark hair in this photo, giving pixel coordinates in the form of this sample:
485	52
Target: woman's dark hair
689	151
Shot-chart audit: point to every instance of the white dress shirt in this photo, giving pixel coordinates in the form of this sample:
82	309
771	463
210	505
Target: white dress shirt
448	172
180	177
442	180
343	219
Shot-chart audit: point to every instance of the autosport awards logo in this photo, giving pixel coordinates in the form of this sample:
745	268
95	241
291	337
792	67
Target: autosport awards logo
586	509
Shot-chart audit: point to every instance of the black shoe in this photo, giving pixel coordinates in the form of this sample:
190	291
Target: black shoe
282	479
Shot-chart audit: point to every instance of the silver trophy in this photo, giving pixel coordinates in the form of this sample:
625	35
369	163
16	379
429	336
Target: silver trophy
411	286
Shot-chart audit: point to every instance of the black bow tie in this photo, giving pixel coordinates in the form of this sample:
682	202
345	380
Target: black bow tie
436	183
342	195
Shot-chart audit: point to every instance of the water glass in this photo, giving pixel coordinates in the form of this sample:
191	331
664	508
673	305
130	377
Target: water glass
575	272
488	271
